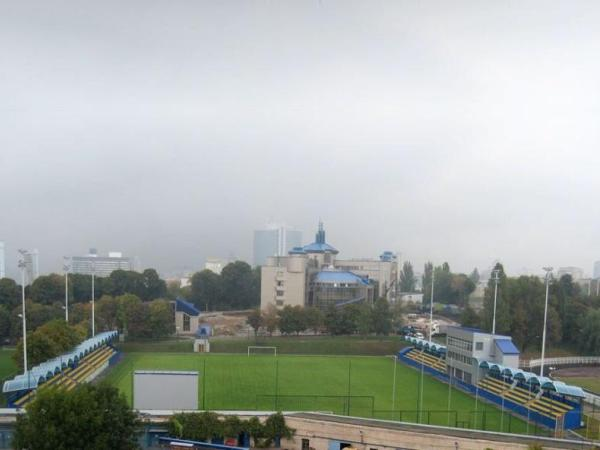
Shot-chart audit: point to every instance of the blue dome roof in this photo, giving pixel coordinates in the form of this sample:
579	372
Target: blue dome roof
320	246
338	276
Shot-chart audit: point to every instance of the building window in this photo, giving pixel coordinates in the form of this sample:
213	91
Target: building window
305	444
280	283
478	345
279	302
186	322
279	293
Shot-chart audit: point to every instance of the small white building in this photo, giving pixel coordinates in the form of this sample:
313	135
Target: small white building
468	347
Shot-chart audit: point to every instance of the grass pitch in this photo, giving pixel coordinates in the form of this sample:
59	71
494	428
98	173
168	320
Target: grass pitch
318	383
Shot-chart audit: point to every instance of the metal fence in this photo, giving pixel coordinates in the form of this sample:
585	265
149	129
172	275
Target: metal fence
562	361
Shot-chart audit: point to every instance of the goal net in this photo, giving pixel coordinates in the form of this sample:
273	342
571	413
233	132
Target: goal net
261	350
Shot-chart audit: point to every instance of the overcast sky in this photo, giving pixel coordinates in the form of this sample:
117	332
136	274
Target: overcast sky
452	131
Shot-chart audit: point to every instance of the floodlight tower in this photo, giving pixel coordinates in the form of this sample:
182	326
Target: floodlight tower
496	275
22	266
548	277
66	268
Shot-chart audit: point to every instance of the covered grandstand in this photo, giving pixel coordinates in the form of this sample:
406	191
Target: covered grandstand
65	371
551	403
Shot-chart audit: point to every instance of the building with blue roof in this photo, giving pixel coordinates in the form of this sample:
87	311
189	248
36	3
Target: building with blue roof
312	275
187	317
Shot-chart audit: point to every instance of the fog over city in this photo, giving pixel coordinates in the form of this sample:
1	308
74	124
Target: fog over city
463	132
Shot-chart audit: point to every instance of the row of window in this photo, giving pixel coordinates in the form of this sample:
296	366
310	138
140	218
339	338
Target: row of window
460	343
461	358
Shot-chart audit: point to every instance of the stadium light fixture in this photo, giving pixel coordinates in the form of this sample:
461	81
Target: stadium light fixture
66	268
22	266
496	274
548	271
93	267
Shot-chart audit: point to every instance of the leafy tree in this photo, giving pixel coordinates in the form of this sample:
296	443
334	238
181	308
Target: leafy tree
255	320
313	318
275	429
342	320
469	317
4	322
154	286
240	290
426	282
382	319
206	291
48	288
127	282
48	341
407	278
197	426
94	417
161	321
271	319
589	341
474	276
291	320
502	305
10	293
107	309
364	320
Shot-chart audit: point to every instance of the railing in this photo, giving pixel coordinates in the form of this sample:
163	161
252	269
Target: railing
562	361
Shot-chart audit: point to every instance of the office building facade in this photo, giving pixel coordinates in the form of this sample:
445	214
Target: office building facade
275	240
101	266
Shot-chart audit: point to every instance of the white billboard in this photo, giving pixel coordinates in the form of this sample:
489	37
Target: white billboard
165	390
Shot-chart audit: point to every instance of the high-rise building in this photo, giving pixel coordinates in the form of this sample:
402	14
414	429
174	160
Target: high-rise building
2	261
101	266
275	240
597	270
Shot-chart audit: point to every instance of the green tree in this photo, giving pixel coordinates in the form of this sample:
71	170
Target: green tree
255	320
589	340
161	321
276	429
474	276
107	309
206	291
313	319
94	417
407	278
4	322
291	320
127	282
426	282
503	320
48	288
10	293
382	317
469	317
271	319
240	290
154	286
365	320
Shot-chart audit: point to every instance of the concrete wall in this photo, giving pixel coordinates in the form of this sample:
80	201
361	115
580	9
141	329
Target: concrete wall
286	275
365	434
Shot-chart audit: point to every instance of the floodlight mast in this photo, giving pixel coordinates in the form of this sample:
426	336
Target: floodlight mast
22	266
66	268
496	274
548	276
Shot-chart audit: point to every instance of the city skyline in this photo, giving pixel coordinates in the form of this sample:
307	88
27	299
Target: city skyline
461	132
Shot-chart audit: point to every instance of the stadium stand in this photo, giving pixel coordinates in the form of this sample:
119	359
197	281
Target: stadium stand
64	372
543	400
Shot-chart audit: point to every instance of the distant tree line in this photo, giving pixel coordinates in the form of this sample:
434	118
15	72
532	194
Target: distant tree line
130	301
237	287
378	318
573	318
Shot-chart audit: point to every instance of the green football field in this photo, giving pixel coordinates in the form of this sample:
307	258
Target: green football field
358	386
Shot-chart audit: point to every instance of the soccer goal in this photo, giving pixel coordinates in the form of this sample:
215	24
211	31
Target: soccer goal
261	350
